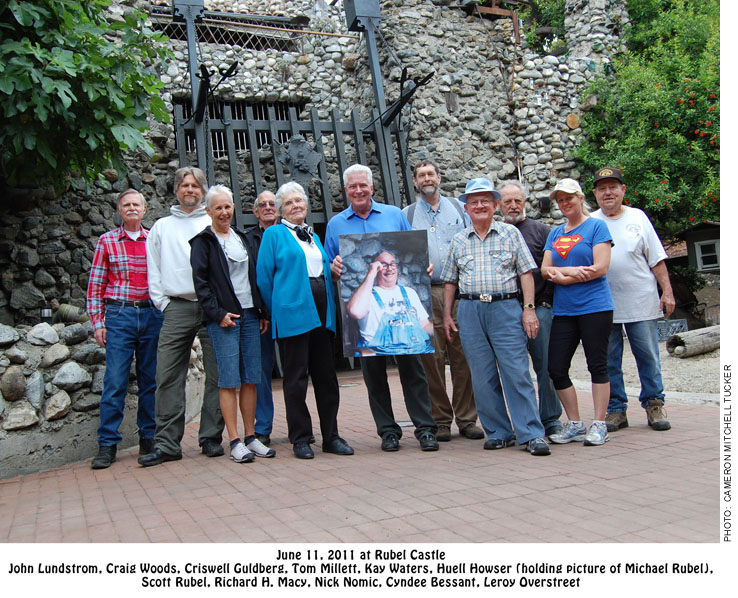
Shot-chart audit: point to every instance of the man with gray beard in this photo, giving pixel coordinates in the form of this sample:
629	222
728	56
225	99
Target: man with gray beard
512	205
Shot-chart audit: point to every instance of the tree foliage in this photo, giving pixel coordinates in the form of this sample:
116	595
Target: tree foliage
658	113
76	88
544	22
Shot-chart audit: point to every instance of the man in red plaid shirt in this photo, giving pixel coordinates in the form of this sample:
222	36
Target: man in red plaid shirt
125	323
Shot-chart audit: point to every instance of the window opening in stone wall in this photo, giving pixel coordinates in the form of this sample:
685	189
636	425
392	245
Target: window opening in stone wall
239	112
254	32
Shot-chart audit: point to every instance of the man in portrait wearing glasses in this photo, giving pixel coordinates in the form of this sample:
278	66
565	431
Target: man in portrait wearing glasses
392	320
265	210
484	264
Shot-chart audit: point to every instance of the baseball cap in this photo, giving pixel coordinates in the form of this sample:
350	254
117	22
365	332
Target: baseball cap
608	173
567	186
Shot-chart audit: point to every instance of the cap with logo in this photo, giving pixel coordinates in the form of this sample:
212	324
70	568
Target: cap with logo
607	173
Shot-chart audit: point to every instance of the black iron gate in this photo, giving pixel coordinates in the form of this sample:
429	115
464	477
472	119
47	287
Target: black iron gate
304	155
308	134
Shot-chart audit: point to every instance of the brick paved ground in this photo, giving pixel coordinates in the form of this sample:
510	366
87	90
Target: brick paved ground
642	486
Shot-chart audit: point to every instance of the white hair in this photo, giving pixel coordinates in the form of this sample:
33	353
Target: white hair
216	190
286	189
355	169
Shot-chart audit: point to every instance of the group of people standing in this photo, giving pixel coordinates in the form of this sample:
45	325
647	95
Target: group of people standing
500	291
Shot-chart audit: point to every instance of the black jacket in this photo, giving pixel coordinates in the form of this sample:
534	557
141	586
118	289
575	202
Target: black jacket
212	278
253	235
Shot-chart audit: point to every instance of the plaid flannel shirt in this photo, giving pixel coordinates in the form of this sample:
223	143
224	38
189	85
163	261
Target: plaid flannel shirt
489	265
118	272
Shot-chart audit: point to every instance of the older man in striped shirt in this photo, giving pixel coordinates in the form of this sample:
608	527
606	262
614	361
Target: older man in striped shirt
484	262
125	323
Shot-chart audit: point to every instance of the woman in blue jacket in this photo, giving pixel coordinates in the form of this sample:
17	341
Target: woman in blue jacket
225	283
293	274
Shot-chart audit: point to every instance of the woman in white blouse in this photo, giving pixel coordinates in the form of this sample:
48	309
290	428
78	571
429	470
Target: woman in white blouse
293	275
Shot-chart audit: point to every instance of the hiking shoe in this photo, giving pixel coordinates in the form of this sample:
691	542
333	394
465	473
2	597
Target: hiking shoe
656	415
616	420
258	448
472	432
538	447
443	434
571	433
597	434
105	457
240	454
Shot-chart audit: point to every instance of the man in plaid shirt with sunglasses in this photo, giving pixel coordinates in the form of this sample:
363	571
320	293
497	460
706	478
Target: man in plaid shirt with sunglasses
125	322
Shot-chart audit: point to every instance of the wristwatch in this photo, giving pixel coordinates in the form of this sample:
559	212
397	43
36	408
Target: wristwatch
529	306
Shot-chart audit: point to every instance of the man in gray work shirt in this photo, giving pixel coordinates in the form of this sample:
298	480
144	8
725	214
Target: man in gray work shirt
443	217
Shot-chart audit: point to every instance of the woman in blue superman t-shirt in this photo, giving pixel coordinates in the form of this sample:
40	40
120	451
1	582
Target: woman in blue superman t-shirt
576	257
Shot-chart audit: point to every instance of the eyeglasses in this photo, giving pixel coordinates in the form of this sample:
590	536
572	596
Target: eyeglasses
266	204
480	202
388	265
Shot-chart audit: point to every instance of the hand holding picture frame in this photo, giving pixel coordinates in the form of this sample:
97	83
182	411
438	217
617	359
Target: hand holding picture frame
385	294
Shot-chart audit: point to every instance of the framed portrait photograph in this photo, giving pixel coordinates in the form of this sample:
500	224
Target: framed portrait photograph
385	294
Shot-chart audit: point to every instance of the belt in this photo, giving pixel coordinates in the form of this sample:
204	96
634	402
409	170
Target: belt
139	304
545	304
489	297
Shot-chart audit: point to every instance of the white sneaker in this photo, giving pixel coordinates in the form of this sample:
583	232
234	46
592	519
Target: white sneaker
571	433
240	454
259	449
597	434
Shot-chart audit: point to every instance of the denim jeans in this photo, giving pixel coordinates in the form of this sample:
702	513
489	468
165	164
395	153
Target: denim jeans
644	343
130	330
264	399
496	350
549	405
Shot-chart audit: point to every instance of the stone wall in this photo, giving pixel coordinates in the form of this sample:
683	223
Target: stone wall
492	108
51	378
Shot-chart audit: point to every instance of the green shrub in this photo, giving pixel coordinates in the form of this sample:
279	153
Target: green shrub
75	88
658	113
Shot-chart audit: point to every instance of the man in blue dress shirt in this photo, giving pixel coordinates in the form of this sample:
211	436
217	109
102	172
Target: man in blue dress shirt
364	215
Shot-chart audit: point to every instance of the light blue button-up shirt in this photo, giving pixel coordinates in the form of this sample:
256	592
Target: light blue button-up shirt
441	226
382	218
